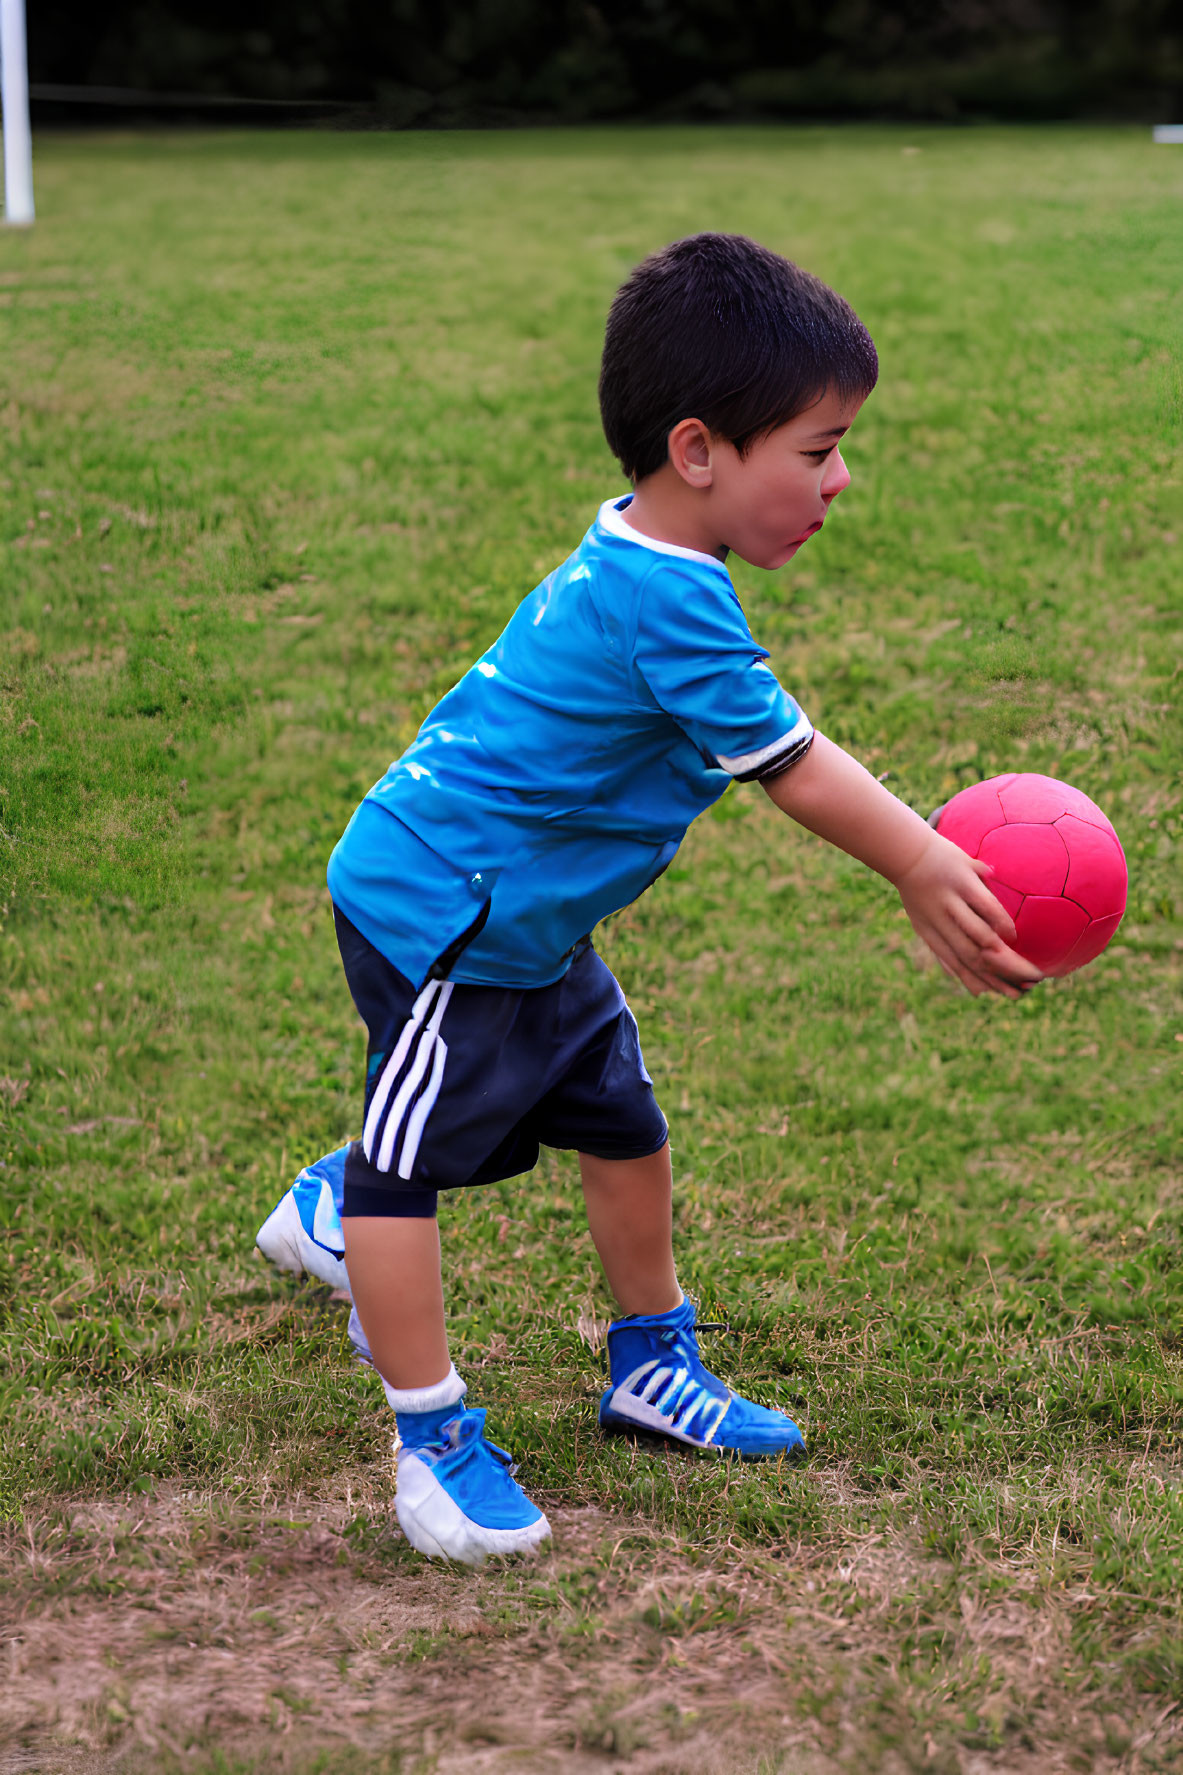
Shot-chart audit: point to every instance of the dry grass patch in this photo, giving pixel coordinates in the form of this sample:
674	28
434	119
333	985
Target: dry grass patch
206	1632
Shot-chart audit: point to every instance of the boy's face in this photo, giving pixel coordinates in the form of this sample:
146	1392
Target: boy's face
766	504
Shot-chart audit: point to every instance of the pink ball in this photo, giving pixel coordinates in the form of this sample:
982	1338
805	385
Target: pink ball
1058	866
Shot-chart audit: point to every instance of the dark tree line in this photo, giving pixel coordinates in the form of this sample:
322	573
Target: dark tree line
432	63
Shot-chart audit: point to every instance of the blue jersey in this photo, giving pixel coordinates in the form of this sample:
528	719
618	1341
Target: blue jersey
557	780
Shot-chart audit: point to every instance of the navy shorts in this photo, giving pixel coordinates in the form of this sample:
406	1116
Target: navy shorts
465	1083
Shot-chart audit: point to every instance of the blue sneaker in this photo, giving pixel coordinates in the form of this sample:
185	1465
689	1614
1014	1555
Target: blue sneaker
303	1231
659	1384
455	1492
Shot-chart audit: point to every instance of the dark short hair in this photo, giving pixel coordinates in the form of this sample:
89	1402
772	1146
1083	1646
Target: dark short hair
718	328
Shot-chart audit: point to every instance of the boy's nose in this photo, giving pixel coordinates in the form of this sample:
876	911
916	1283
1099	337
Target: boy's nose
836	477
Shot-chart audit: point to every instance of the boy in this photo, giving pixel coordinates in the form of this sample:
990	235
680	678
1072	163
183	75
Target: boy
549	789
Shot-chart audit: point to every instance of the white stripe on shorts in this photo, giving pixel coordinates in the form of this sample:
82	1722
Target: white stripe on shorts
418	1116
390	1071
428	1038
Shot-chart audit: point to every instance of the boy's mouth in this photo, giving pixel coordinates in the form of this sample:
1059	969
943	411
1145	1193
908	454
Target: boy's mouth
806	534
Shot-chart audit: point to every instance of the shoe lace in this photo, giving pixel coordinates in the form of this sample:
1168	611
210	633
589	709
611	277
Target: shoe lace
680	1338
468	1427
683	1338
682	1343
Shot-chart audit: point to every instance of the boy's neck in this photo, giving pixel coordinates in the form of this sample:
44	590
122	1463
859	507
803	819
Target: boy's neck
667	510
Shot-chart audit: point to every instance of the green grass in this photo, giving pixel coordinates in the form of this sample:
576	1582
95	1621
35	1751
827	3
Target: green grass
288	426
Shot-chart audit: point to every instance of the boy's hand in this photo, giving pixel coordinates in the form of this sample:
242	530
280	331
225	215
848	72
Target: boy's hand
945	895
944	891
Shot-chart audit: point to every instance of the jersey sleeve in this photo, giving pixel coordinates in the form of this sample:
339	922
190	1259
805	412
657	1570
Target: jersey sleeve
699	660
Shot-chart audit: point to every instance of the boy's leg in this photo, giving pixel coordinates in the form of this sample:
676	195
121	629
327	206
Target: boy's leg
455	1492
658	1380
394	1271
630	1218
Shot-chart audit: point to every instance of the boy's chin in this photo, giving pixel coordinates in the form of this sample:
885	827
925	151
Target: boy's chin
772	555
774	559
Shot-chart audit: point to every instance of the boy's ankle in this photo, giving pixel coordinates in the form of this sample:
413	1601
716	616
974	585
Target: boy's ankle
420	1413
670	1316
417	1401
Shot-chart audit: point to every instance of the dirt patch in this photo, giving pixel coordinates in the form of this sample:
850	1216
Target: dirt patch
151	1634
186	1631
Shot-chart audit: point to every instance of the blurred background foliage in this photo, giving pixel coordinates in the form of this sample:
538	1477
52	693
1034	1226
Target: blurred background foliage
488	63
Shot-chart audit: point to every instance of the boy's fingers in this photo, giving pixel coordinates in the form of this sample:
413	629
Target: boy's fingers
974	941
953	965
995	983
1006	984
992	960
979	970
981	947
980	934
989	906
1013	966
971	953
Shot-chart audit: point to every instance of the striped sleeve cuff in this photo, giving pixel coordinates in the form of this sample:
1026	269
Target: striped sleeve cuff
769	761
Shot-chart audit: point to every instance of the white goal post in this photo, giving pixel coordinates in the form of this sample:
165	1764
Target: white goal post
14	95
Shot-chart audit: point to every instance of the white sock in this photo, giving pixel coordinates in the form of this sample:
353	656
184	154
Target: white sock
449	1391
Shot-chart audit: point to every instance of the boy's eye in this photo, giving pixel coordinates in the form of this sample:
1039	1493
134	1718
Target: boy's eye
818	455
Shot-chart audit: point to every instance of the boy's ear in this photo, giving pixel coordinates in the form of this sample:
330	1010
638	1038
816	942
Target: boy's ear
689	445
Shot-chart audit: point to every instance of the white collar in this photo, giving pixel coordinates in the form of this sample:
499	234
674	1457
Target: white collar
611	516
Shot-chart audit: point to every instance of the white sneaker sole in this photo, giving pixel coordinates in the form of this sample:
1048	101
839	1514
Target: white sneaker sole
627	1412
435	1524
283	1241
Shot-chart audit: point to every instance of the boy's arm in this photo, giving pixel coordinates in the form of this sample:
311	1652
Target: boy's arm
944	892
